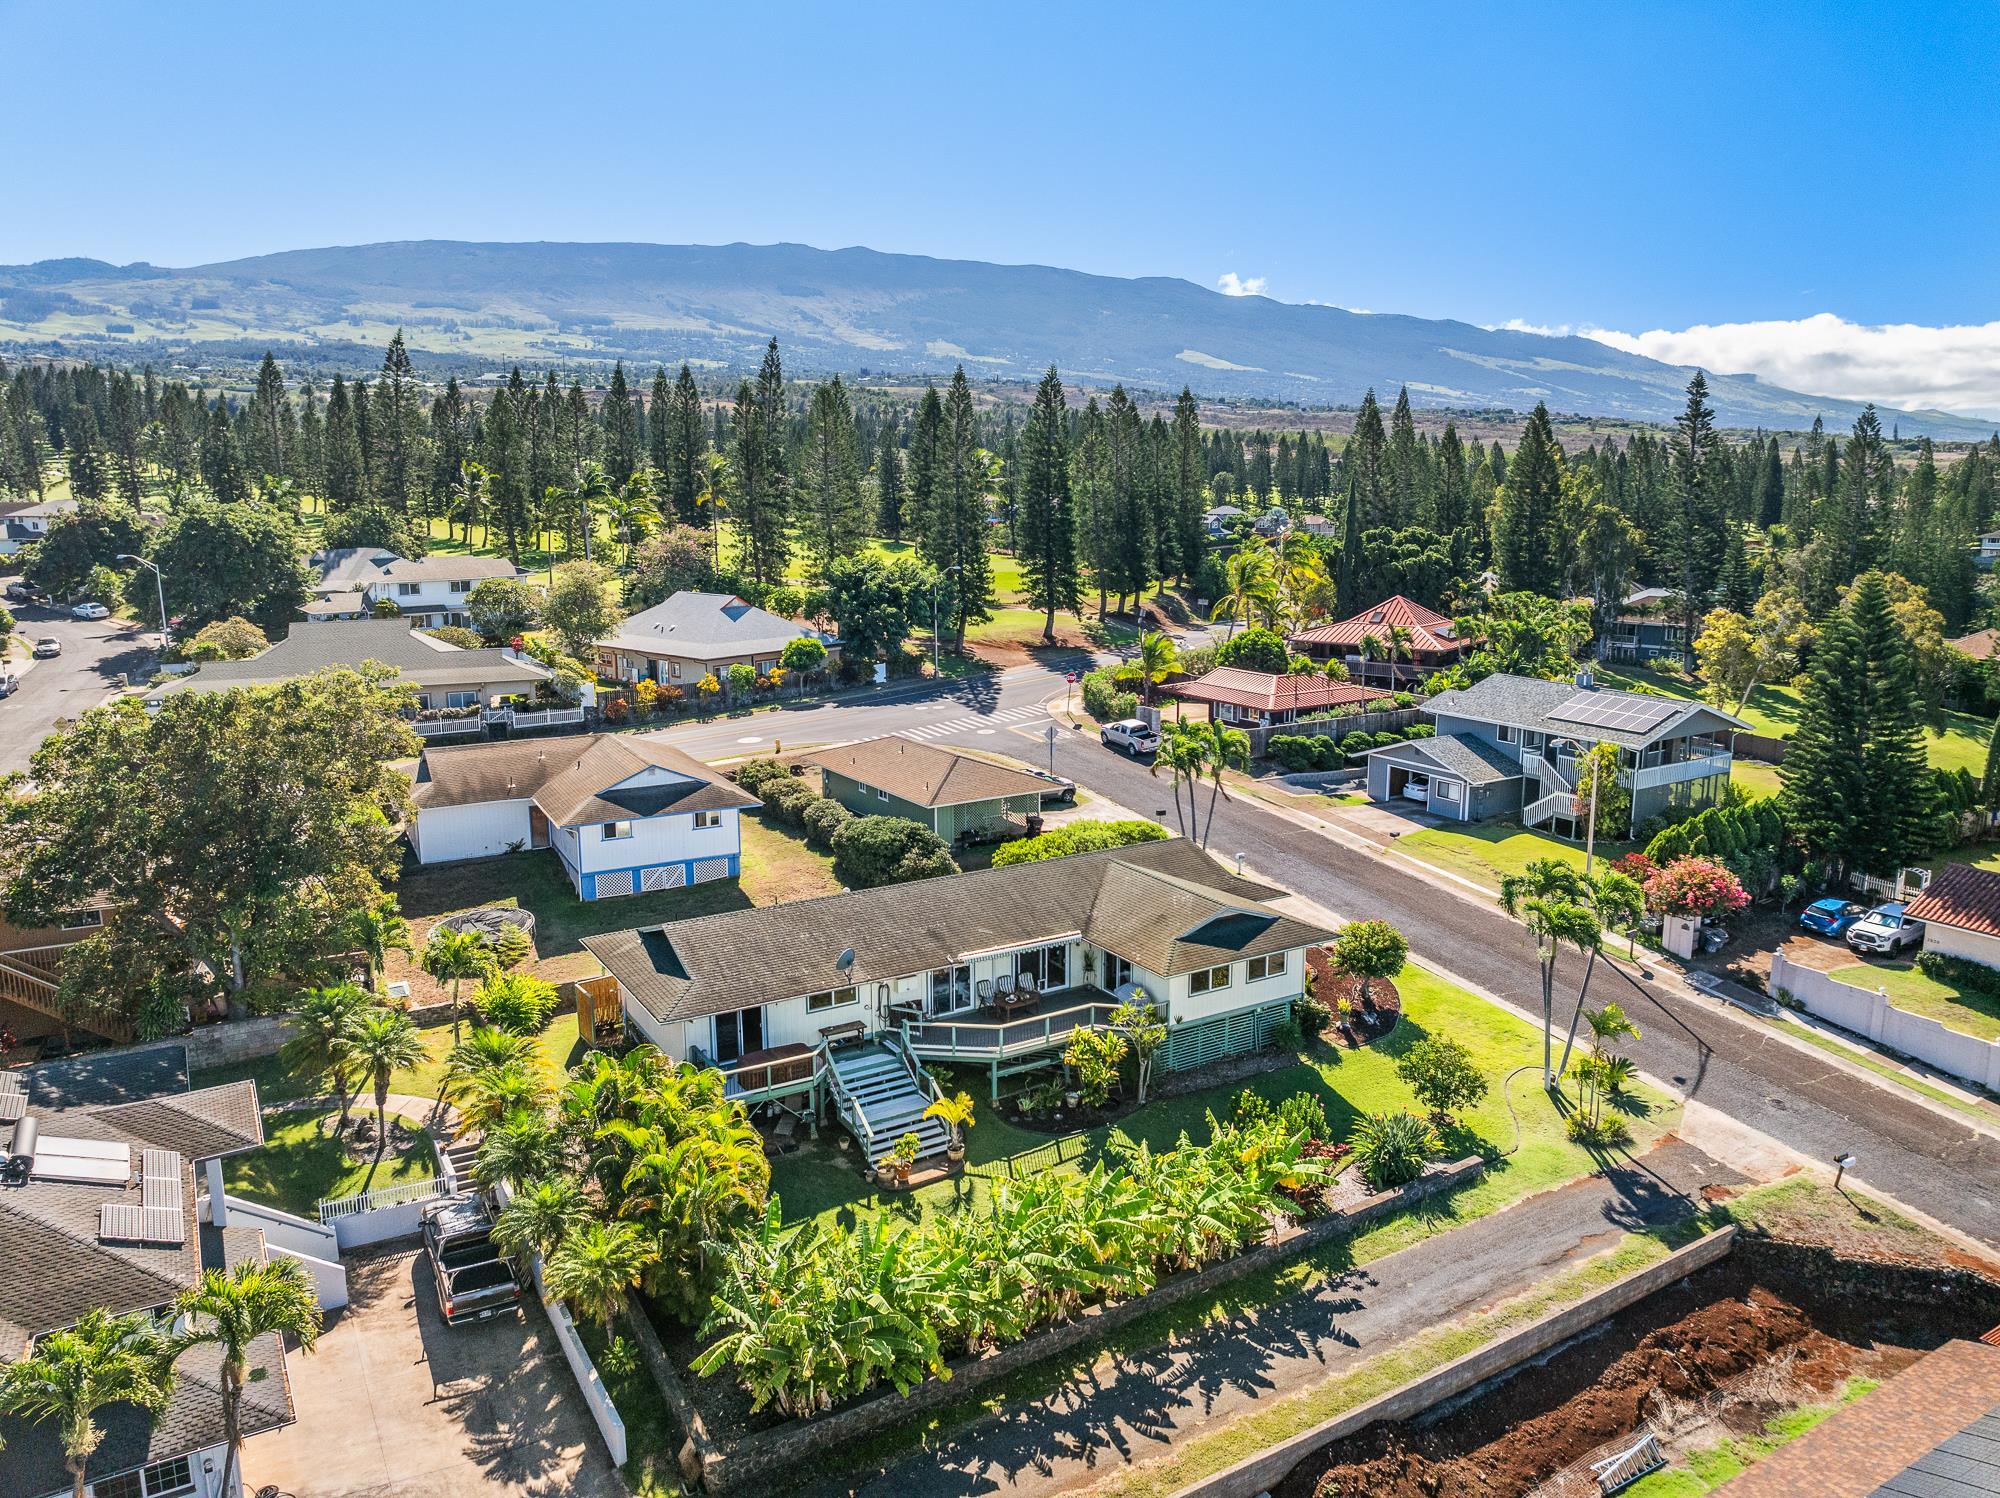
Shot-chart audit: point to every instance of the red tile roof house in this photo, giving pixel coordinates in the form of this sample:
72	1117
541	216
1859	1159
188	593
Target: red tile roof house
1431	645
1961	914
1258	699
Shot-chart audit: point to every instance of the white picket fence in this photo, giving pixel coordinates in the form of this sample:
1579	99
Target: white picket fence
377	1216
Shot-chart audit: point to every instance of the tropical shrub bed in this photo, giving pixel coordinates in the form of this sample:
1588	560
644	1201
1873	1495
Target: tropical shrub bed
807	1317
1104	699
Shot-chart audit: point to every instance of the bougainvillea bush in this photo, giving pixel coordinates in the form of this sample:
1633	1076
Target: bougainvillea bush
1695	888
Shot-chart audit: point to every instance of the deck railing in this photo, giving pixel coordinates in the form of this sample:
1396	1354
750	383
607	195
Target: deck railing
947	1038
333	1208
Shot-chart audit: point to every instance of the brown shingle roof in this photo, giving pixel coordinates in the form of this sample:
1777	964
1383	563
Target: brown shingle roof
1272	693
1863	1449
1168	902
572	780
1980	644
1961	896
1430	631
925	774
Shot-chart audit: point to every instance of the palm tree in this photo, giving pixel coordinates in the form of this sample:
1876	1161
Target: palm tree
230	1310
633	509
468	497
1248	584
482	1050
486	1097
377	930
1371	649
540	1216
596	1266
713	496
1223	748
326	1019
593	492
1547	899
72	1374
1183	751
1397	647
1617	901
956	1114
452	956
383	1043
521	1147
1155	662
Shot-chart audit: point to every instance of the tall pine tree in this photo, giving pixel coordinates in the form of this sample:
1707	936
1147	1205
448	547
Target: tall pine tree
1691	546
1527	545
1045	518
831	519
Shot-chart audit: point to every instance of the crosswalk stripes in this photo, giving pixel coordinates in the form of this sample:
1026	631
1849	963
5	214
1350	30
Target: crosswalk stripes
973	721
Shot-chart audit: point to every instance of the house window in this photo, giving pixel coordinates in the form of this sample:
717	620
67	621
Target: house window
461	587
408	590
614	831
161	1480
1209	979
674	670
1444	790
829	998
1264	967
424	699
881	795
1508	734
461	699
707	819
82	920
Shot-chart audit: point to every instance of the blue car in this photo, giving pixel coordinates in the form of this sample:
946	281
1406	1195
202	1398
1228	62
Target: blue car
1831	917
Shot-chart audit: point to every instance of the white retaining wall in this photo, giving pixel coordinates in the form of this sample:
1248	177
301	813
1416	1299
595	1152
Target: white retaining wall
380	1224
294	1238
1869	1013
610	1424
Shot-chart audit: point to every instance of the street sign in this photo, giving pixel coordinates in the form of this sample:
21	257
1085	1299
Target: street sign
1070	677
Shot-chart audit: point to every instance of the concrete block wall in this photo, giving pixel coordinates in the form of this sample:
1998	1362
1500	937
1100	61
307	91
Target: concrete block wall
1869	1013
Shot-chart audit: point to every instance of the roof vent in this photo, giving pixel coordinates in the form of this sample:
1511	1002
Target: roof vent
1585	682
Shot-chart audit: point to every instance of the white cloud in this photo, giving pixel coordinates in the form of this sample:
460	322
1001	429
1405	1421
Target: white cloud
1231	284
1545	330
1895	364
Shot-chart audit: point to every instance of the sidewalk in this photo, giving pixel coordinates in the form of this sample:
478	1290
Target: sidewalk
1128	1409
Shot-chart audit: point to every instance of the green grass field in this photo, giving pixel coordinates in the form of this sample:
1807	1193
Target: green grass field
300	1165
1961	1009
1484	851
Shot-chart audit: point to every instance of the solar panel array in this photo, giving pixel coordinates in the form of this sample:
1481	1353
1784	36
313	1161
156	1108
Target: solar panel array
126	1222
13	1098
160	1179
1620	714
84	1162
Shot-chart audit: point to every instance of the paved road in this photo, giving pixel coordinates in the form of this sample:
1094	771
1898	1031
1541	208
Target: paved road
63	687
1906	1149
1133	1409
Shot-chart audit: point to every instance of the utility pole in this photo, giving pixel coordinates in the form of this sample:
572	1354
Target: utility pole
159	587
1590	828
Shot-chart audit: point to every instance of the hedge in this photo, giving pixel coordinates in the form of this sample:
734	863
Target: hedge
1086	836
1104	699
1960	972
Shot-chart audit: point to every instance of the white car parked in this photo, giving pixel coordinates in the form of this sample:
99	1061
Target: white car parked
1133	735
1885	930
90	611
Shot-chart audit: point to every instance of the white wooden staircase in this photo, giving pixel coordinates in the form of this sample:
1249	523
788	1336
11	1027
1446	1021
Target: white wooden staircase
880	1096
30	977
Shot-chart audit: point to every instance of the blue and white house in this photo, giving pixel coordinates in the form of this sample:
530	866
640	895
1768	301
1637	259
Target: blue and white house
625	815
1508	746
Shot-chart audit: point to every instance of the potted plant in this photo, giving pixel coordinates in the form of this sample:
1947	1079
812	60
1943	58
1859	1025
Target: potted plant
903	1156
956	1112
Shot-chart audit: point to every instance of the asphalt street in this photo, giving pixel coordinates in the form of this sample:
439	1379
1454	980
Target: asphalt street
93	657
1904	1148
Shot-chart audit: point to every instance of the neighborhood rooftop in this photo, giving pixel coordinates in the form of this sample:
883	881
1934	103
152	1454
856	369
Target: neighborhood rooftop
1566	709
1429	630
575	780
925	774
1164	905
1961	896
703	625
353	568
418	658
1271	693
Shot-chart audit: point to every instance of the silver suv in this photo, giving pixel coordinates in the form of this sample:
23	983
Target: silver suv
1886	930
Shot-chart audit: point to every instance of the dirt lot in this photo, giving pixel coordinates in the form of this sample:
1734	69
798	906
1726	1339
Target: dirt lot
1718	1354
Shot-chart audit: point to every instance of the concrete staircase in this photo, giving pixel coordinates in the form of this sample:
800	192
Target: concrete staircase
880	1100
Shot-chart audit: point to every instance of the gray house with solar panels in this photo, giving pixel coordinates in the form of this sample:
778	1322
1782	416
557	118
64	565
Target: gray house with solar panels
1508	746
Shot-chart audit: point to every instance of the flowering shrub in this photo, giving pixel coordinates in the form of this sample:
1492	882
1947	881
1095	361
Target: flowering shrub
645	696
1695	887
1635	866
616	709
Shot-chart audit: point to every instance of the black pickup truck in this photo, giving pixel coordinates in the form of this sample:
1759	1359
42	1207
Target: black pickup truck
473	1280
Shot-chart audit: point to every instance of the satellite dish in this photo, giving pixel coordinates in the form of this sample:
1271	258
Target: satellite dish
845	960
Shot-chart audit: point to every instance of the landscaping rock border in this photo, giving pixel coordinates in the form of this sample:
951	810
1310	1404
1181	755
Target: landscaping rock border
724	1466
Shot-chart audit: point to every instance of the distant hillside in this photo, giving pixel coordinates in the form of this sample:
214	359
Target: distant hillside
856	309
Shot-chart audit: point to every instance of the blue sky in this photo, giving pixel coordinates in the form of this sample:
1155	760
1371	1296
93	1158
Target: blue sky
1626	167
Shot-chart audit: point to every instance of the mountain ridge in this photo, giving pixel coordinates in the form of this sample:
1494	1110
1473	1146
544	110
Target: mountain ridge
857	308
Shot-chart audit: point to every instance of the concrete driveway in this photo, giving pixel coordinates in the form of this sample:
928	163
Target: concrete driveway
67	685
394	1402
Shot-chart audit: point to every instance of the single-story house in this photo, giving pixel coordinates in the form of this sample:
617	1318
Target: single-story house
1430	645
445	676
1508	746
626	814
1217	519
692	635
1961	914
867	984
427	591
955	795
108	1215
21	525
1644	631
1262	699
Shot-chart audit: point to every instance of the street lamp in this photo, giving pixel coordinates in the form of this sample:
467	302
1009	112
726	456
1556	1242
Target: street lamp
937	667
159	585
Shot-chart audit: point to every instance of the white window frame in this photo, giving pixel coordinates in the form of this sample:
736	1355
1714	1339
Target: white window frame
831	998
1203	980
408	590
82	920
461	699
1272	965
1508	734
880	794
608	831
460	585
705	819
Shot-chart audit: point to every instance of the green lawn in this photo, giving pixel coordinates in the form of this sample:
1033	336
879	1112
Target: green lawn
1484	851
651	1436
1958	1008
1708	1469
1754	777
559	1046
1957	742
822	1179
299	1165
